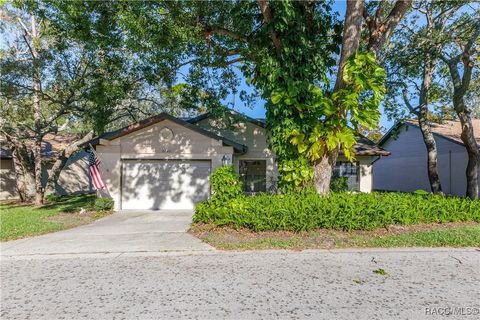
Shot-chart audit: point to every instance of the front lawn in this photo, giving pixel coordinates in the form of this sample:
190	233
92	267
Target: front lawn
424	235
24	220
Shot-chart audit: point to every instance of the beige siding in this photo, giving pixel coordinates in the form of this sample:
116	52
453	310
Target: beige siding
147	143
250	135
254	137
365	178
8	185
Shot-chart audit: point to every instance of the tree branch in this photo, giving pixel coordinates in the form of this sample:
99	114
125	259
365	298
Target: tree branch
351	36
208	30
408	104
267	18
383	31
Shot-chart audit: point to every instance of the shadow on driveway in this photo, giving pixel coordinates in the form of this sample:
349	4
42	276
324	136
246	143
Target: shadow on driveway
121	232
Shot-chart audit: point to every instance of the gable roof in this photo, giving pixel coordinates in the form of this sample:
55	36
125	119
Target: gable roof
363	147
366	147
158	118
448	129
258	122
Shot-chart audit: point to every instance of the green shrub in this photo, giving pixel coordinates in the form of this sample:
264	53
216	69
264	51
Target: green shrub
103	204
225	184
339	184
342	210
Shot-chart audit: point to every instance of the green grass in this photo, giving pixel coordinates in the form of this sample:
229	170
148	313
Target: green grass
460	235
467	236
19	220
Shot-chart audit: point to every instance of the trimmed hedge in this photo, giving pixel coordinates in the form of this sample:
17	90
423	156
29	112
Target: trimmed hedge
343	210
103	204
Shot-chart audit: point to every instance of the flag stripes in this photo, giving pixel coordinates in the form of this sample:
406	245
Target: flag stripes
94	171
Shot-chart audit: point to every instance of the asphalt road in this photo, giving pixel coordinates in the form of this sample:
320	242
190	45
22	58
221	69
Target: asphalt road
420	284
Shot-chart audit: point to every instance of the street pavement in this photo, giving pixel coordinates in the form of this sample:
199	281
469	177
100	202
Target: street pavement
338	284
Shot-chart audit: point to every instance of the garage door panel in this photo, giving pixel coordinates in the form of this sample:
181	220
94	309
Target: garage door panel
162	184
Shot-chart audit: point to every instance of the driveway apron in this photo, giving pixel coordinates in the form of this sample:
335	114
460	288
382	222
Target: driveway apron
121	232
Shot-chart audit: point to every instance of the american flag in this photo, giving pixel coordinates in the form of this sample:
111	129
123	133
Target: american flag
94	172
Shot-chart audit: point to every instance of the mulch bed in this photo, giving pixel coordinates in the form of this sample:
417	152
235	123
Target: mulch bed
222	237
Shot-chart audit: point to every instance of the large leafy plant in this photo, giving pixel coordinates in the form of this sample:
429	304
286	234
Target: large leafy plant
341	114
225	183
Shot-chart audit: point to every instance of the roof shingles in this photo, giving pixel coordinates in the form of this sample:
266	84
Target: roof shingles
451	129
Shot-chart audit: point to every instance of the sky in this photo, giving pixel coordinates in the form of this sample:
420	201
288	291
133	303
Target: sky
258	110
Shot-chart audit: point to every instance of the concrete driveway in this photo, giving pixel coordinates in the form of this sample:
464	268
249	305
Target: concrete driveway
121	232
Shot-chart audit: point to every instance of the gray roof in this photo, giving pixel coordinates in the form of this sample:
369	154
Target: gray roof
448	129
160	117
363	147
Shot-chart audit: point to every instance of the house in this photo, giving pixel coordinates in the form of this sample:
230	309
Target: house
164	162
406	168
73	178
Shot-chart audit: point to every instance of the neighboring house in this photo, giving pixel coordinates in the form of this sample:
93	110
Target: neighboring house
8	185
406	169
164	162
73	178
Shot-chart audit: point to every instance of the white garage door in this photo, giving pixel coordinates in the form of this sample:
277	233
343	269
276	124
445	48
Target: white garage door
164	184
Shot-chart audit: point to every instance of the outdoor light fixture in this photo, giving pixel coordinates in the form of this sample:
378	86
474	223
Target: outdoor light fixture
226	160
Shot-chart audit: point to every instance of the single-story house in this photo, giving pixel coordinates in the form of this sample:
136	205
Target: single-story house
406	168
164	162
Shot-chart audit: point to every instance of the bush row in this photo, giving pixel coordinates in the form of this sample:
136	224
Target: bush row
342	210
92	203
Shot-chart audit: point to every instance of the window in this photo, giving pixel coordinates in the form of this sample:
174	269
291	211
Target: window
253	173
348	170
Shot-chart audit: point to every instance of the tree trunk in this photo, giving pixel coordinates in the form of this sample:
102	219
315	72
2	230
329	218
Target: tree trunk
62	160
473	165
37	153
323	169
37	115
380	31
351	36
431	146
23	173
350	44
425	128
460	87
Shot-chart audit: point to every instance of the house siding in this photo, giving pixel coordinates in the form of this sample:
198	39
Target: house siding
255	138
406	168
73	177
146	143
251	135
8	184
365	179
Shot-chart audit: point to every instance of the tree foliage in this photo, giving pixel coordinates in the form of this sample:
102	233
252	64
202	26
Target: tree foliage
286	49
65	70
